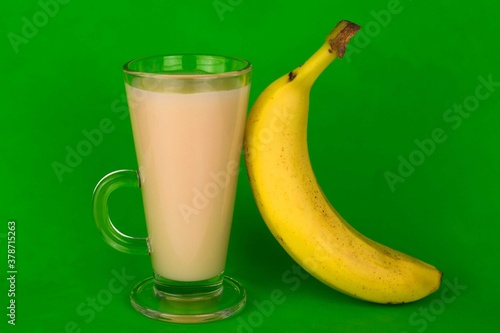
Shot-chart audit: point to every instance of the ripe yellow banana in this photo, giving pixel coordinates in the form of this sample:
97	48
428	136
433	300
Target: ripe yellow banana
294	207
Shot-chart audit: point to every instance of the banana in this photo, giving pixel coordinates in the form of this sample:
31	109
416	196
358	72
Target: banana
294	207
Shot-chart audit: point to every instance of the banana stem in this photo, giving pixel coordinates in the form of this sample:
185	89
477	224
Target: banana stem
334	46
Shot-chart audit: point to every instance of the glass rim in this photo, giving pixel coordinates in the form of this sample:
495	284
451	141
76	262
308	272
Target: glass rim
232	73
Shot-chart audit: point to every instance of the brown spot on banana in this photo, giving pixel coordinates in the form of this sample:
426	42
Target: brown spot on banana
280	239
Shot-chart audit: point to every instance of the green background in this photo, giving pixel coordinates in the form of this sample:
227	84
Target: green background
411	63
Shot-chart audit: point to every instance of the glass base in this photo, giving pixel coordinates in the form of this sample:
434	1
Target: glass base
146	300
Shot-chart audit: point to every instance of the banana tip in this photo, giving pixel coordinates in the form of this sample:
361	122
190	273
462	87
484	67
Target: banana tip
340	36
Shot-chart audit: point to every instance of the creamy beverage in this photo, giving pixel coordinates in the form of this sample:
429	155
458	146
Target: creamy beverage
188	147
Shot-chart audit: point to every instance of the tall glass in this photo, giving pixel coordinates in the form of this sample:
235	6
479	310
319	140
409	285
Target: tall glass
188	116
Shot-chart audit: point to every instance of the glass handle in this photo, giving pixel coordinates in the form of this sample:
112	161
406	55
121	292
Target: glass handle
112	236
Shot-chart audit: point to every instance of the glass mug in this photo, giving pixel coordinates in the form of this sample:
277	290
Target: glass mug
188	117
